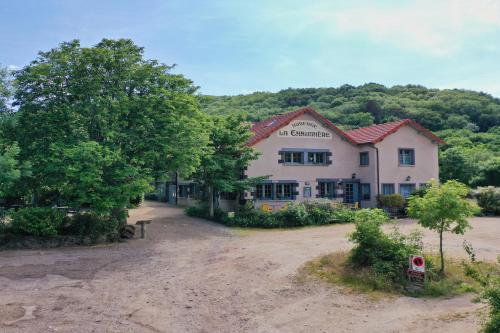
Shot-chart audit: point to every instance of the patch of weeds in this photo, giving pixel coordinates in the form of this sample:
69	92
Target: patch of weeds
335	268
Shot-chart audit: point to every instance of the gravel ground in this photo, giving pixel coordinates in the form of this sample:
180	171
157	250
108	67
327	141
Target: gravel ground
191	275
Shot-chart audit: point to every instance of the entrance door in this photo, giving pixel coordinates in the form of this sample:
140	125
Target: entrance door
172	193
351	192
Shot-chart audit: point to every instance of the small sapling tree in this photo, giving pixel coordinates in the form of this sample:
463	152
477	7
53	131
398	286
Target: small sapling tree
443	208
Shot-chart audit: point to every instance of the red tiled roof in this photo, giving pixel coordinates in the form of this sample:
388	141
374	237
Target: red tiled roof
266	127
377	133
370	134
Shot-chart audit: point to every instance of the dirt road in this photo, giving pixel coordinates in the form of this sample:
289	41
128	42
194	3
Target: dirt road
191	275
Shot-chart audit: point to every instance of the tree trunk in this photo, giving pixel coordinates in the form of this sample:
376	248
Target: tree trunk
441	250
210	201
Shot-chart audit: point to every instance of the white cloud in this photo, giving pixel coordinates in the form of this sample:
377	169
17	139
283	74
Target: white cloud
433	27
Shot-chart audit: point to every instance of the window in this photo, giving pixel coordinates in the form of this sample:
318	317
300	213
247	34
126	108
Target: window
293	157
264	191
406	189
387	189
305	156
277	191
183	191
284	191
349	193
326	189
193	190
316	158
365	192
406	156
364	158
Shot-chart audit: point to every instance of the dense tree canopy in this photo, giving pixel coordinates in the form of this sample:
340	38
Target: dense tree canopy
226	157
5	89
469	121
98	123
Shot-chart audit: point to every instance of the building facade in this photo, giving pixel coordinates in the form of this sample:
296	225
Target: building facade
305	156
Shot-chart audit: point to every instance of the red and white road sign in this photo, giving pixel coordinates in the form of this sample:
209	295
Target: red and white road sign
417	263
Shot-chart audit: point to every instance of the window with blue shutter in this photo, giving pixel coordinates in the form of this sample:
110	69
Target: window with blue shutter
276	191
301	156
326	190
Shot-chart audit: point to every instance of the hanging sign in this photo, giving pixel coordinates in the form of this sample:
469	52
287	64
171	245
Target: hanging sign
306	129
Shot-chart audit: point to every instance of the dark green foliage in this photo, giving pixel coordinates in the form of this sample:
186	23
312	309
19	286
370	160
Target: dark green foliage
5	89
386	255
98	124
203	212
225	158
488	198
136	201
34	221
89	225
437	109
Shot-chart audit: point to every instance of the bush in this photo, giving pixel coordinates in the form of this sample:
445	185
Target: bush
489	280
34	221
255	219
202	211
488	198
386	255
324	212
391	200
89	225
295	214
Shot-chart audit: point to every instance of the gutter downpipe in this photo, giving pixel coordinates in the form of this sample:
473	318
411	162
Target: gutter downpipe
378	169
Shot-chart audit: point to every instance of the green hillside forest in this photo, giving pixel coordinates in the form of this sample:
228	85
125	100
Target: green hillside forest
468	121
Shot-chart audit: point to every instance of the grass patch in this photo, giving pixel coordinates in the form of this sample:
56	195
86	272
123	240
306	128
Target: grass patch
335	268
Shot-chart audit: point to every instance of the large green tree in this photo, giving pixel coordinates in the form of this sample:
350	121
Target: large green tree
5	89
228	155
101	122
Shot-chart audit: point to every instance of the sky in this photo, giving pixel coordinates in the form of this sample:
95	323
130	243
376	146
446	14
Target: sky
230	47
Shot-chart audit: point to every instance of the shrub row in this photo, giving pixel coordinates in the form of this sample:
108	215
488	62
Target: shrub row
47	223
317	212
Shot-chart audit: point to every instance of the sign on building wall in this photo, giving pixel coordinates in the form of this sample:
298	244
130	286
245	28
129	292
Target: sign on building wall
304	129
